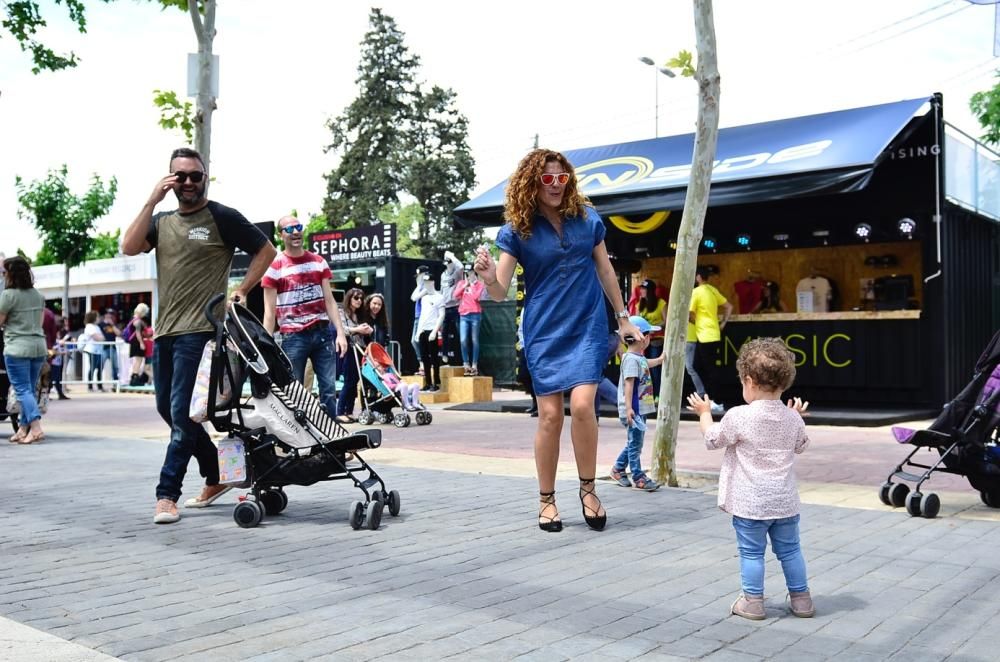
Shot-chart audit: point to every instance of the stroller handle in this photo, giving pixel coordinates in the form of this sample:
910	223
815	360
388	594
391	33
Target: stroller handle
210	306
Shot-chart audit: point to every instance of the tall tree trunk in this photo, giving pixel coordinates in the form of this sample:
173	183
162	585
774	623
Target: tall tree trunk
204	29
688	241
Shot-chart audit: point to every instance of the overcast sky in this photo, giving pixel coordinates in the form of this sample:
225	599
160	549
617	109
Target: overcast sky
567	71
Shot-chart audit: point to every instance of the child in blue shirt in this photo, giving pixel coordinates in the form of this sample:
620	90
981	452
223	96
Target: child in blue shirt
635	402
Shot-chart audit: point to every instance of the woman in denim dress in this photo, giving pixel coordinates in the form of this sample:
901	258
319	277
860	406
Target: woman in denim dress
558	239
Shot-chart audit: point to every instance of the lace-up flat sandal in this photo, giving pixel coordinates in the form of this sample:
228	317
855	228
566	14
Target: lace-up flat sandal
594	519
547	503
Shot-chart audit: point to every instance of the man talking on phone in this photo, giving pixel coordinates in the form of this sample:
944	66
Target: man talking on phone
194	249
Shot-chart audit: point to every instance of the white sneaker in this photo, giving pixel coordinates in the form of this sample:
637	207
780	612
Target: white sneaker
717	408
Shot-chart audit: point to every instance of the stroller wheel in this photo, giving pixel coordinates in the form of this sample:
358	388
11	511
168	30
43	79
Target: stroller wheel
913	503
991	499
424	418
248	514
365	417
273	501
930	505
394	503
897	494
381	417
357	515
401	420
883	494
373	514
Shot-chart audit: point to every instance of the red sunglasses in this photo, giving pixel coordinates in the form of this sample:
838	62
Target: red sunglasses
550	178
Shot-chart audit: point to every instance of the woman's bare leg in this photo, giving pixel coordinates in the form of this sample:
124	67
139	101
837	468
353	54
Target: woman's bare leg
583	429
550	423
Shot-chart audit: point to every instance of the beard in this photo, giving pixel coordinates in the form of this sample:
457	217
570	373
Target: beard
190	197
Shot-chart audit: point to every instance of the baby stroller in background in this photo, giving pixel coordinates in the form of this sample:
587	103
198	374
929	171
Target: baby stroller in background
377	397
965	437
287	437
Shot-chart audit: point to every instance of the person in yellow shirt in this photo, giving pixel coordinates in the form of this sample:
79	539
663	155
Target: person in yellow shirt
706	302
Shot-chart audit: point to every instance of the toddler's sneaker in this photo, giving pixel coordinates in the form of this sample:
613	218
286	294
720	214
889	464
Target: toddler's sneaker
620	478
717	408
749	606
802	604
646	484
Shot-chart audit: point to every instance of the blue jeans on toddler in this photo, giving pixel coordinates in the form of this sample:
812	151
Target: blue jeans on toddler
751	539
630	455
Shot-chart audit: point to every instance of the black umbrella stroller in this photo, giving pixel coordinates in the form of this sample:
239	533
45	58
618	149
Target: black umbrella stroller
287	437
965	437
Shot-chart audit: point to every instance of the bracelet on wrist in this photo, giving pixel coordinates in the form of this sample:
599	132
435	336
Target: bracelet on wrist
621	314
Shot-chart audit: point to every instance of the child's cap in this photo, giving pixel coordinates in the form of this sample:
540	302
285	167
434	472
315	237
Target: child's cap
643	325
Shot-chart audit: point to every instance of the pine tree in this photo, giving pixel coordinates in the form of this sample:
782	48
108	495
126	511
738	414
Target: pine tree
371	134
440	172
395	139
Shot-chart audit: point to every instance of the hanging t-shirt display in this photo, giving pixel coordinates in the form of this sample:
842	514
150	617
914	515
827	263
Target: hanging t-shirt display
748	295
819	288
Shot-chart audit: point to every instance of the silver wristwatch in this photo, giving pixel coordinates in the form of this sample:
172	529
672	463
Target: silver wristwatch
621	314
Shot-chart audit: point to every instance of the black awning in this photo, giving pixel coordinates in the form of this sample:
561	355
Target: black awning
804	156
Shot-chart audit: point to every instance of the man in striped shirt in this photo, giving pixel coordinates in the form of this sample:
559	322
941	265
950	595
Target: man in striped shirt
297	294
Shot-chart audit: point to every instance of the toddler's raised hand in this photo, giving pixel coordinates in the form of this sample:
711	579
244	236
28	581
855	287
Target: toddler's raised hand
698	404
799	405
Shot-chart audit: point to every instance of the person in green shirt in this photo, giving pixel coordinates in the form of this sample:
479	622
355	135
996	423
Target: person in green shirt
21	312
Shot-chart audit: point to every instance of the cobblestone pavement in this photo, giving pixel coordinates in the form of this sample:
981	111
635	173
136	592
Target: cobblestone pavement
464	572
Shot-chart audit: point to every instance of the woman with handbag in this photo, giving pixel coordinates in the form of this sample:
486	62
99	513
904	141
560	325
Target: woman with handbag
21	313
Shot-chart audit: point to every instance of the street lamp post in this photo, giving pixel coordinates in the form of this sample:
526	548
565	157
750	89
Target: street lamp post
656	91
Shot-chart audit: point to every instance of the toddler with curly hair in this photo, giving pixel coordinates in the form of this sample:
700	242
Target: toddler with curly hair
757	480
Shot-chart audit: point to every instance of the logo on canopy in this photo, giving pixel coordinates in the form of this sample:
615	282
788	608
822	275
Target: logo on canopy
655	220
608	174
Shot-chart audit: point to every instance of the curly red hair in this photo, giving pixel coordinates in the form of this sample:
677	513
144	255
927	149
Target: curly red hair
521	201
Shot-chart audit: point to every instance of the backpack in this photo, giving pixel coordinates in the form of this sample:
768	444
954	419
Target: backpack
129	331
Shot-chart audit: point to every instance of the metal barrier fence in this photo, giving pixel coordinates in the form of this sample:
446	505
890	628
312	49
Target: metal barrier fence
113	358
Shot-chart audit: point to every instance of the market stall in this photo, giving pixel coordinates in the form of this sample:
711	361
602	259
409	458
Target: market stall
886	278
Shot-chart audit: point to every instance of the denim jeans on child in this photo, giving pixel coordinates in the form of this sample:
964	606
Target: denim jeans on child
23	374
316	343
468	328
751	539
177	359
631	454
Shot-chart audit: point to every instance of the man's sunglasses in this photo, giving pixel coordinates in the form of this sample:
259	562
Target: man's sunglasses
292	228
182	176
550	178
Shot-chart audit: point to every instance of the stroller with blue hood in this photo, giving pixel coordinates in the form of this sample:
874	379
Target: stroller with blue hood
285	435
965	438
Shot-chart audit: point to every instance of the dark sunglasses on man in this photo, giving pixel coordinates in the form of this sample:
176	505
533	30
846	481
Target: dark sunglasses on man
195	176
291	229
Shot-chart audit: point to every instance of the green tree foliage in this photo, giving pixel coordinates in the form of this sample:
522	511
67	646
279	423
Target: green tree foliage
23	19
440	173
370	136
175	114
395	139
64	220
408	218
985	106
105	245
